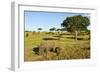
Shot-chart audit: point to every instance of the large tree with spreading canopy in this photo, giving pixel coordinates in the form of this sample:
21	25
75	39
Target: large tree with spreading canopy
76	24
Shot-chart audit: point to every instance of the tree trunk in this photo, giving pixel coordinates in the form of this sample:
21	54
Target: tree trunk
76	35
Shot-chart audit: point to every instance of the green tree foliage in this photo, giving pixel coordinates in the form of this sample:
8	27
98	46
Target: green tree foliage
39	29
76	24
52	29
58	30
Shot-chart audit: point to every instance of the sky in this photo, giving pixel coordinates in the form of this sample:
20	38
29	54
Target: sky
46	20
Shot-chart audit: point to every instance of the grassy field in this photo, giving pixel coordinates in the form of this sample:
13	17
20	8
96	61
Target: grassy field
72	49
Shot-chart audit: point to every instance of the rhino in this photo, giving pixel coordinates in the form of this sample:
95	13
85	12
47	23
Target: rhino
45	47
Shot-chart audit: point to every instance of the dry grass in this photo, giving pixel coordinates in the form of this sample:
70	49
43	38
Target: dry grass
72	49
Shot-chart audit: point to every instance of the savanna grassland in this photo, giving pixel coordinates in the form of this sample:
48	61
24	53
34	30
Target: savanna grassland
72	49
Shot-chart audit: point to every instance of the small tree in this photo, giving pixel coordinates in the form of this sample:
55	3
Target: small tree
52	29
58	30
63	29
39	29
59	34
76	24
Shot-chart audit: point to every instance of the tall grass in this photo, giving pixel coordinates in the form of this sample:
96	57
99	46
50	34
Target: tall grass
72	49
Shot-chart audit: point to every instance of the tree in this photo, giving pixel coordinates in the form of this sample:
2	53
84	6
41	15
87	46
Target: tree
58	30
59	34
39	29
52	29
76	24
63	29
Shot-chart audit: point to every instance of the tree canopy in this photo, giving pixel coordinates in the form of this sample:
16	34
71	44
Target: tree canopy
52	29
76	23
39	28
